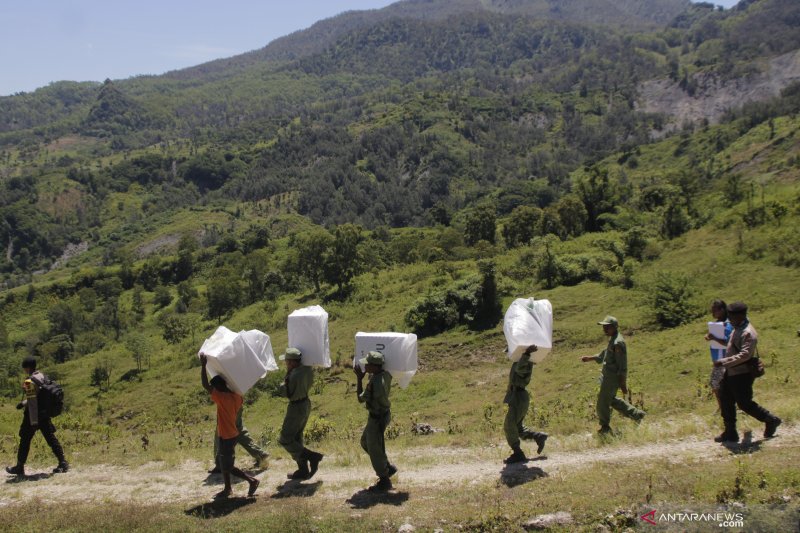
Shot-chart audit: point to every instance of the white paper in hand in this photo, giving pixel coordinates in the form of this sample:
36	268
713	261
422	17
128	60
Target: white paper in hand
526	322
399	352
241	358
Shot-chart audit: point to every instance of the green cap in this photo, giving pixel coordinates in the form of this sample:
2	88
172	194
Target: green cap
372	358
291	354
609	321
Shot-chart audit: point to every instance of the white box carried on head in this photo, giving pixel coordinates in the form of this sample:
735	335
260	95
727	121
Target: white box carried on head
308	332
241	358
399	351
526	322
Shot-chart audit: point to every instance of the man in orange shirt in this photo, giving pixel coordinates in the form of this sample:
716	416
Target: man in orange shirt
228	405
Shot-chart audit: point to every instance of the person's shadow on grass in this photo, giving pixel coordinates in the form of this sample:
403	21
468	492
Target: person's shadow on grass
294	487
364	499
745	446
32	477
219	508
519	473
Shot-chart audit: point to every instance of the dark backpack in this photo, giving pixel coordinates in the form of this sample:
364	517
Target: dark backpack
51	397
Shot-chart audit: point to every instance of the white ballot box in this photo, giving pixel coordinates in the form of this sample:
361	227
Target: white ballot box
241	358
308	332
399	352
528	321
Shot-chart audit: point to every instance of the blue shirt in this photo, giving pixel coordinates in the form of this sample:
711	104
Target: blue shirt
719	353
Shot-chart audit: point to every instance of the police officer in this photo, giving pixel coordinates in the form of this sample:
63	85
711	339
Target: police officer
737	382
376	398
35	418
614	377
518	400
296	385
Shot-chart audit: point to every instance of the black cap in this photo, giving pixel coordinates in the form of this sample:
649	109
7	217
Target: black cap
29	362
737	308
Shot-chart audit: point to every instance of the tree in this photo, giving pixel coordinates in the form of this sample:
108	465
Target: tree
175	328
669	296
162	297
138	345
522	226
343	262
480	225
224	293
551	223
310	252
675	220
62	320
256	237
572	214
598	195
186	293
184	266
137	304
101	376
3	333
489	309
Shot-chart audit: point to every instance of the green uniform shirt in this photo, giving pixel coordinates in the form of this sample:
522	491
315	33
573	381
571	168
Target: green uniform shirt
376	394
521	371
298	383
615	357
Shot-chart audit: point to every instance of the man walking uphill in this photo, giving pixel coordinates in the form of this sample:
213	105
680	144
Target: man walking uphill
36	418
376	398
737	383
614	377
299	379
518	401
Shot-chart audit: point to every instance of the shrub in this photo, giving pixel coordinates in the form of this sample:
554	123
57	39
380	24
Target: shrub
669	296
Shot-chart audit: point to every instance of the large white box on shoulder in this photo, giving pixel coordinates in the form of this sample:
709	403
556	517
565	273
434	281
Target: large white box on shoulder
399	351
241	358
308	332
528	321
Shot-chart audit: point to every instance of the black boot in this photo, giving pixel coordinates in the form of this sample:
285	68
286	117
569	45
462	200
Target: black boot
384	484
772	425
517	457
540	439
301	472
729	435
18	470
62	468
313	459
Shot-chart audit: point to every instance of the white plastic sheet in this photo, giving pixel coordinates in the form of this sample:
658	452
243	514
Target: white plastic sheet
528	321
241	358
308	332
399	351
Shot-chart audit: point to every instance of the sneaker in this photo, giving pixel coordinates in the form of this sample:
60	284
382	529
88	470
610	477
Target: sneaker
771	427
727	437
62	468
16	470
540	440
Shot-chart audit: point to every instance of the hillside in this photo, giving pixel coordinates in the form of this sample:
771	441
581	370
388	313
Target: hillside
414	169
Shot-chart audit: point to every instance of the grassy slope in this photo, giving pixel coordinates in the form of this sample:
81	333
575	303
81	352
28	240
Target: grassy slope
460	384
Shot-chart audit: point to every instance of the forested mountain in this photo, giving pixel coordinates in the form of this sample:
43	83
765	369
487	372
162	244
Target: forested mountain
402	116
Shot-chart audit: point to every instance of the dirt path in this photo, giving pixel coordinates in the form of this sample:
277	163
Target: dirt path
421	466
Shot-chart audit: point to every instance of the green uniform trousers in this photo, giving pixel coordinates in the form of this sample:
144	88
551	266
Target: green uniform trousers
518	401
607	398
294	424
244	440
372	441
